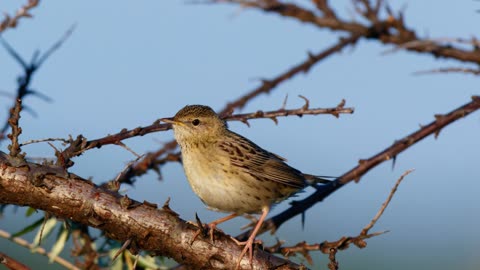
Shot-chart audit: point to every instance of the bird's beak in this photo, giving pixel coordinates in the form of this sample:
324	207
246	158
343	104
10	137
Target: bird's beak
171	121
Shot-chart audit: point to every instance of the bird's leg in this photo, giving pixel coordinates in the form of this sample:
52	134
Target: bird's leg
251	239
213	225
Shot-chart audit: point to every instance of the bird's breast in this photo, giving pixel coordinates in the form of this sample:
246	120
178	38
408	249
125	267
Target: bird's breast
223	187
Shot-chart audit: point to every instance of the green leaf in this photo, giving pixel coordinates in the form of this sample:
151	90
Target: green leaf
147	262
47	230
118	263
30	211
29	228
59	244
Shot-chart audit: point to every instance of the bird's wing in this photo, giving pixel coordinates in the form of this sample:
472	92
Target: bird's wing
260	163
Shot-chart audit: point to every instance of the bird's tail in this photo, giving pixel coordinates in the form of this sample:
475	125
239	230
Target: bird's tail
315	179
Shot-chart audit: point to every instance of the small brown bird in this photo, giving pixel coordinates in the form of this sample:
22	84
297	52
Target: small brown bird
231	173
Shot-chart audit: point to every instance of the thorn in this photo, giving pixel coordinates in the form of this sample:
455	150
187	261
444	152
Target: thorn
394	160
303	220
13	53
245	121
166	205
125	202
274	119
307	102
284	106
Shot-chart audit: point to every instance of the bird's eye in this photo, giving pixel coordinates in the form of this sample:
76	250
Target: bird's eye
195	122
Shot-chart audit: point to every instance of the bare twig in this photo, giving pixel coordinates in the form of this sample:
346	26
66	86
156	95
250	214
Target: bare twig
14	147
474	71
21	242
29	70
45	140
335	111
333	263
11	263
23	12
345	241
80	145
385	204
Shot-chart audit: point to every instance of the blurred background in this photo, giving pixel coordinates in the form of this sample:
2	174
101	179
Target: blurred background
129	63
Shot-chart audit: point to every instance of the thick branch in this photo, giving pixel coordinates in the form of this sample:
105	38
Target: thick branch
158	230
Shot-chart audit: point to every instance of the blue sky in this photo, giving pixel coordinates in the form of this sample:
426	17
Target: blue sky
130	63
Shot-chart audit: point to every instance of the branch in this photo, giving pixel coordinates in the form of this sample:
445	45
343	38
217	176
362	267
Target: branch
23	12
391	30
24	243
390	153
80	145
16	130
29	70
157	230
345	241
473	71
335	111
11	263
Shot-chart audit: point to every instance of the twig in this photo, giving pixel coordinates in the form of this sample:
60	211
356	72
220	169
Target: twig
474	71
333	263
45	140
21	242
23	12
345	241
80	145
11	263
16	130
336	111
124	146
385	204
29	70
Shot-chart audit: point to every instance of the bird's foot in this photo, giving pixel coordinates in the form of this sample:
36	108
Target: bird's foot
248	248
205	229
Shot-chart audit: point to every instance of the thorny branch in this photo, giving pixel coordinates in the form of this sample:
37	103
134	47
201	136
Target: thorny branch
345	241
148	227
23	12
389	30
16	130
80	145
11	263
29	69
390	153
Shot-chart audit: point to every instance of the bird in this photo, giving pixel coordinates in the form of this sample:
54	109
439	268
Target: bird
230	173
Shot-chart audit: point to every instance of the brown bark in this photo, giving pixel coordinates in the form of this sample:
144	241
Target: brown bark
158	230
